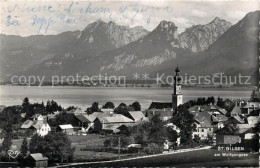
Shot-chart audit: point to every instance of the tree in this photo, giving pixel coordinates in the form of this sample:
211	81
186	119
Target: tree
25	105
153	148
150	132
122	110
122	105
171	134
7	143
157	133
108	105
24	148
136	105
93	108
55	145
220	102
185	121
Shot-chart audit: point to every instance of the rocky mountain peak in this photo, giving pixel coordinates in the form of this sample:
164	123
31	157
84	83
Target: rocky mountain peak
166	29
166	26
200	37
221	22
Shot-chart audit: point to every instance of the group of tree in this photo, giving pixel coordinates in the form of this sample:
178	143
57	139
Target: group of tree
10	119
122	108
201	101
63	118
55	145
39	108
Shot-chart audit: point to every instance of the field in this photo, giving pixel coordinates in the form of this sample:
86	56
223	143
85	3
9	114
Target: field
187	159
90	148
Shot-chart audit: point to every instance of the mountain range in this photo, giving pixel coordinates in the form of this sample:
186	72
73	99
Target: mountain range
112	49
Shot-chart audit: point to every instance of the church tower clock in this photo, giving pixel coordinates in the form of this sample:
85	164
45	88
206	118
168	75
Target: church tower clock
177	97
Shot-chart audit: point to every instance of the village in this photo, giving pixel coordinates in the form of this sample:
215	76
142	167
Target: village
106	132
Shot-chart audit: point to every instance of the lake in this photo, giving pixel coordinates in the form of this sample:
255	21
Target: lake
85	96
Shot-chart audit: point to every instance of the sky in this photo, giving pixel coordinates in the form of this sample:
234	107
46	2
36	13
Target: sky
47	17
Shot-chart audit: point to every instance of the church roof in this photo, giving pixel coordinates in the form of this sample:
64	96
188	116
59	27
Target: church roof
160	105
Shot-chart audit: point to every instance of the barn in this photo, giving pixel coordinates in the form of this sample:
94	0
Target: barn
36	160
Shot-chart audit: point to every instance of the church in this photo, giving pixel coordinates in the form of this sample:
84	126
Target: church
165	109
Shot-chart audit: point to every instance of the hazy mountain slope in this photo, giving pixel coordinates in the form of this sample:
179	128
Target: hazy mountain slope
21	55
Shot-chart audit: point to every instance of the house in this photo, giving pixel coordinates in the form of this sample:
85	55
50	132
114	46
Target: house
236	111
249	107
165	114
160	105
204	127
67	129
219	120
253	120
138	116
41	127
112	123
242	128
37	117
36	160
52	117
111	111
136	146
85	120
227	139
211	109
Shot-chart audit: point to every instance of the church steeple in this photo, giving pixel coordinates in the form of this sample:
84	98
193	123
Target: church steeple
177	97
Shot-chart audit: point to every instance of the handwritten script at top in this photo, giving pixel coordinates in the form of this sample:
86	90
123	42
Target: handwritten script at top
44	17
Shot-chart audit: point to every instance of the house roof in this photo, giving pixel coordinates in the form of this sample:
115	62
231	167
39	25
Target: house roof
208	108
252	104
194	108
117	119
85	118
203	118
160	105
139	146
107	110
27	124
38	156
219	118
100	115
37	124
137	115
66	126
236	110
235	119
241	128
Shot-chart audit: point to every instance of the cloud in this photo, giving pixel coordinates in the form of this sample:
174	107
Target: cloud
236	14
198	13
